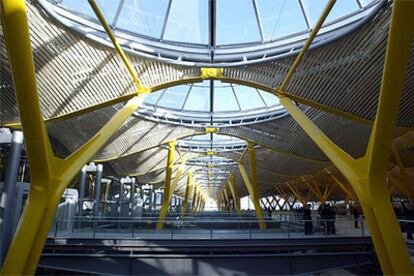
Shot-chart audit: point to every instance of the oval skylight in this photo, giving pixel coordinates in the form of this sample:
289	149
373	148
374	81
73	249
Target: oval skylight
218	31
211	103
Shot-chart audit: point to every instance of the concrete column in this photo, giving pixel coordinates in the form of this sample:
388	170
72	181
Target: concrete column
150	201
142	194
132	196
98	190
8	196
121	196
82	183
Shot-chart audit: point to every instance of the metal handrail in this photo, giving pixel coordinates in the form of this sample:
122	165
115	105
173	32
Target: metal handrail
212	227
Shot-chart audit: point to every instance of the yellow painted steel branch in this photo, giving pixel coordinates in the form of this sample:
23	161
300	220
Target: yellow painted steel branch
167	187
177	177
298	195
342	160
314	188
233	189
188	191
49	175
387	237
341	185
328	192
305	48
253	186
108	30
367	175
226	197
194	199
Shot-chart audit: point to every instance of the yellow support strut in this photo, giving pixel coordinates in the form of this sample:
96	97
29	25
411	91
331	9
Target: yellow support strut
188	191
367	175
108	30
234	192
167	187
49	174
252	186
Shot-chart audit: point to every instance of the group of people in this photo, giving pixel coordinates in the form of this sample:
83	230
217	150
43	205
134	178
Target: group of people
403	210
327	214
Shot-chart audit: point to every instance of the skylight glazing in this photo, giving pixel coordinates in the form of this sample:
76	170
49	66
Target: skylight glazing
212	31
211	103
212	142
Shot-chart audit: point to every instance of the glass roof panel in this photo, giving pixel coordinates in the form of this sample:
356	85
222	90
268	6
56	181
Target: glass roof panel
236	22
174	97
366	2
314	9
144	17
188	22
199	99
248	97
202	137
280	18
80	6
224	99
179	30
190	105
152	98
109	8
270	99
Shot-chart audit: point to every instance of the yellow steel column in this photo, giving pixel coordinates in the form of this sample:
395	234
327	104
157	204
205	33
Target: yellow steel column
188	190
367	175
177	178
167	187
234	192
399	43
227	199
49	175
252	186
193	201
198	200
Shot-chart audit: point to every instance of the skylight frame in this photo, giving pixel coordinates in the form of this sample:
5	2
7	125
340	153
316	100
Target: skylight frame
202	55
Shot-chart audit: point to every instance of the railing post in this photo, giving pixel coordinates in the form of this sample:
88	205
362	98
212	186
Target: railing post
289	228
93	227
362	228
56	226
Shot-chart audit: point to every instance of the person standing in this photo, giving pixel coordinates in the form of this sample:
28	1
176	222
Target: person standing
355	214
330	216
307	218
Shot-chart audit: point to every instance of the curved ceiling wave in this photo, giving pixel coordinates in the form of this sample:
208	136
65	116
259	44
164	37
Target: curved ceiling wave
208	32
